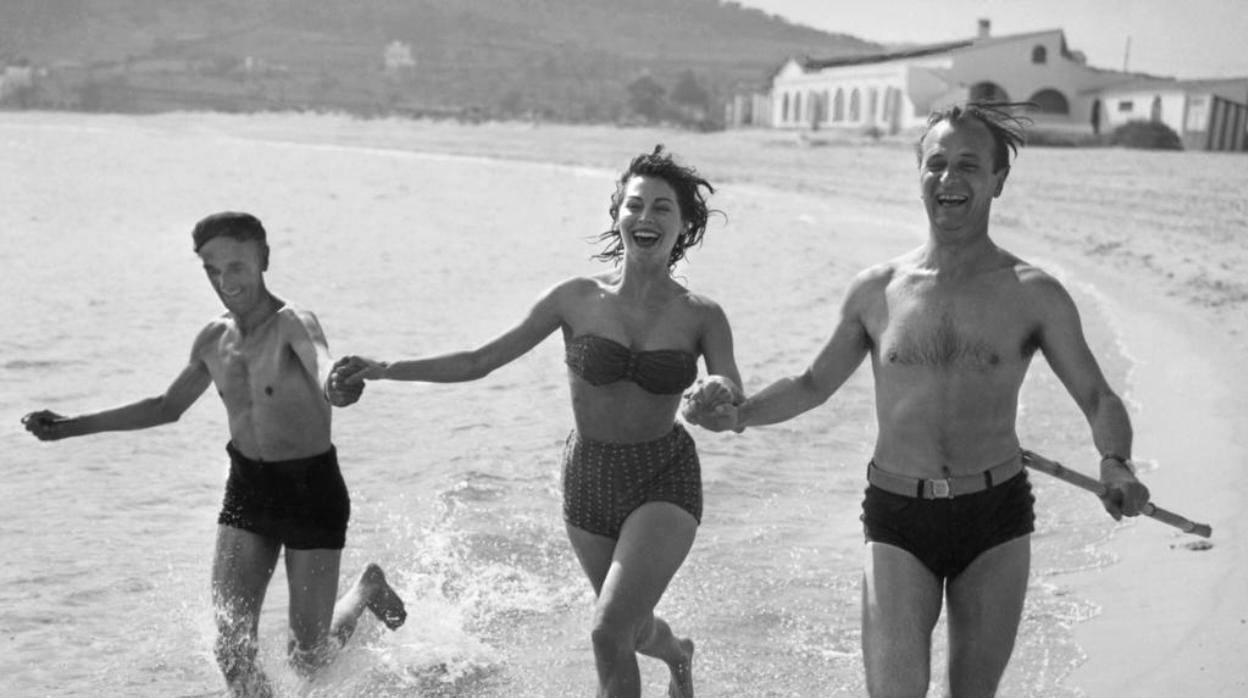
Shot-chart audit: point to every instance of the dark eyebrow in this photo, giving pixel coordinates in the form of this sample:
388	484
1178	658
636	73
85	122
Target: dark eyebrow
668	199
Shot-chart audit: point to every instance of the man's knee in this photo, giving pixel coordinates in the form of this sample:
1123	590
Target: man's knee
896	667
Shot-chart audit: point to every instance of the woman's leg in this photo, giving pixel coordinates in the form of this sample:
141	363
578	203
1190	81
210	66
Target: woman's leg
629	575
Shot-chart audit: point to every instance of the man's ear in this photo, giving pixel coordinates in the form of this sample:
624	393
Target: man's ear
1005	172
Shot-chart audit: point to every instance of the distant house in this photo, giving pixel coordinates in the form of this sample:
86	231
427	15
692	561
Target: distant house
16	82
1207	114
894	91
397	58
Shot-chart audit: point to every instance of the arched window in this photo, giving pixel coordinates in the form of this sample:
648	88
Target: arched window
1039	54
1050	101
797	107
1154	114
838	105
784	110
988	92
873	101
855	108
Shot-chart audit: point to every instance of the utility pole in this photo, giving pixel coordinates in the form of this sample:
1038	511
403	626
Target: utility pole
1126	54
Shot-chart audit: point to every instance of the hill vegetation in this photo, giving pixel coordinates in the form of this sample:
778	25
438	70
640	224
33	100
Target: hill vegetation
568	60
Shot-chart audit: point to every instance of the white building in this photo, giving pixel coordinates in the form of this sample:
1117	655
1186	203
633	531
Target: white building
891	92
1207	114
397	58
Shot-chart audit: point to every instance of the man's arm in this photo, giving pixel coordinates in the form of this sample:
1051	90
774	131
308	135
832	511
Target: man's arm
307	340
154	411
835	363
1062	341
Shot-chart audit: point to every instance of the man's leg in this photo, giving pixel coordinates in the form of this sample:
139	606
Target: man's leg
629	576
985	605
316	615
241	570
901	602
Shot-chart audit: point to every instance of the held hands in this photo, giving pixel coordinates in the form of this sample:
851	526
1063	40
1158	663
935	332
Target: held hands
712	404
357	369
340	391
46	425
1125	496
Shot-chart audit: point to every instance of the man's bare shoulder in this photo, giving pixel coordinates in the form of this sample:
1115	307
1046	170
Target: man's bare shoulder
211	334
1035	280
1044	293
875	279
297	323
289	312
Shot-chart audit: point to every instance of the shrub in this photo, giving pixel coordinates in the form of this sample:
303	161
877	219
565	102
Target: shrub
1148	135
1055	138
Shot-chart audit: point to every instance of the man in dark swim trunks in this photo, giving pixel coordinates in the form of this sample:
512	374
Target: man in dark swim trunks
269	362
951	328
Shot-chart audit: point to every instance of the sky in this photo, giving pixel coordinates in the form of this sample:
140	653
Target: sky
1180	38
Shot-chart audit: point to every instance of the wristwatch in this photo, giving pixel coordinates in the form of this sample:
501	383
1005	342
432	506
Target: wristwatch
1124	462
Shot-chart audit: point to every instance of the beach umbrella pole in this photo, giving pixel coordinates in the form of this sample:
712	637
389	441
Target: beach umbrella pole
1061	472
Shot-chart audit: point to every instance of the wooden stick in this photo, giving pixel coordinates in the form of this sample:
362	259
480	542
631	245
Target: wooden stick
1078	479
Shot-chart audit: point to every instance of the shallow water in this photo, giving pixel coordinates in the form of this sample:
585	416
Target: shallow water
455	488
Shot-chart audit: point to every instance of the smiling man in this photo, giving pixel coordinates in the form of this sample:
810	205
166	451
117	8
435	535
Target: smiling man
951	328
269	362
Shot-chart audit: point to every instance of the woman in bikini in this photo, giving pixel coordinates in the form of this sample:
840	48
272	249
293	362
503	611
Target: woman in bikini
631	478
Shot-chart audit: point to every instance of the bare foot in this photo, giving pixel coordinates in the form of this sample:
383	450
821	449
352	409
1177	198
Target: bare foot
380	597
681	685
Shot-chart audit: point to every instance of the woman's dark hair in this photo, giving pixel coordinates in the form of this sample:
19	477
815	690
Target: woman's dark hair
1007	129
687	184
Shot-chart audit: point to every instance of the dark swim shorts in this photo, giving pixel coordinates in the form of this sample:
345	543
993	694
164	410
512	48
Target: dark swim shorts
302	503
605	482
946	535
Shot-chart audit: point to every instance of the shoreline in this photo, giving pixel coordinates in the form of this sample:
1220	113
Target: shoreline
1173	616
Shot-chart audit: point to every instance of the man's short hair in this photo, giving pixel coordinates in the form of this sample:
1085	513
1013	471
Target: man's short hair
234	225
1007	128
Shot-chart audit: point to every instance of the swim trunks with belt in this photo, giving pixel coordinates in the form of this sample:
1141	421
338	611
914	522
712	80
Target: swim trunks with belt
301	503
947	523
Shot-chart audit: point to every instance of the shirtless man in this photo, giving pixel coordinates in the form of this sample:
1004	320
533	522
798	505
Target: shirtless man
269	362
951	328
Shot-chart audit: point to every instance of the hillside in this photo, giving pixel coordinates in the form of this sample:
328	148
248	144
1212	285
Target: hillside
574	60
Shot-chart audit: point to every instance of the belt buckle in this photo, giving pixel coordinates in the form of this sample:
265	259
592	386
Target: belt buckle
940	489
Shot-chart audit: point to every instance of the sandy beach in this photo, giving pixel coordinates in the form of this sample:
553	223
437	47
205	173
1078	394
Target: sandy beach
1159	240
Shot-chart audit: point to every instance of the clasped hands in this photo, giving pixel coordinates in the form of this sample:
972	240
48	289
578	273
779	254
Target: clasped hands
346	379
712	403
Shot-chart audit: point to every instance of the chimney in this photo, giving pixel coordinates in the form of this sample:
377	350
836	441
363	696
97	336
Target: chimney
985	28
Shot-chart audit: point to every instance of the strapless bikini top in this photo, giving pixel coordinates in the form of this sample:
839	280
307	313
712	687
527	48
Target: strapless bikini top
601	361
